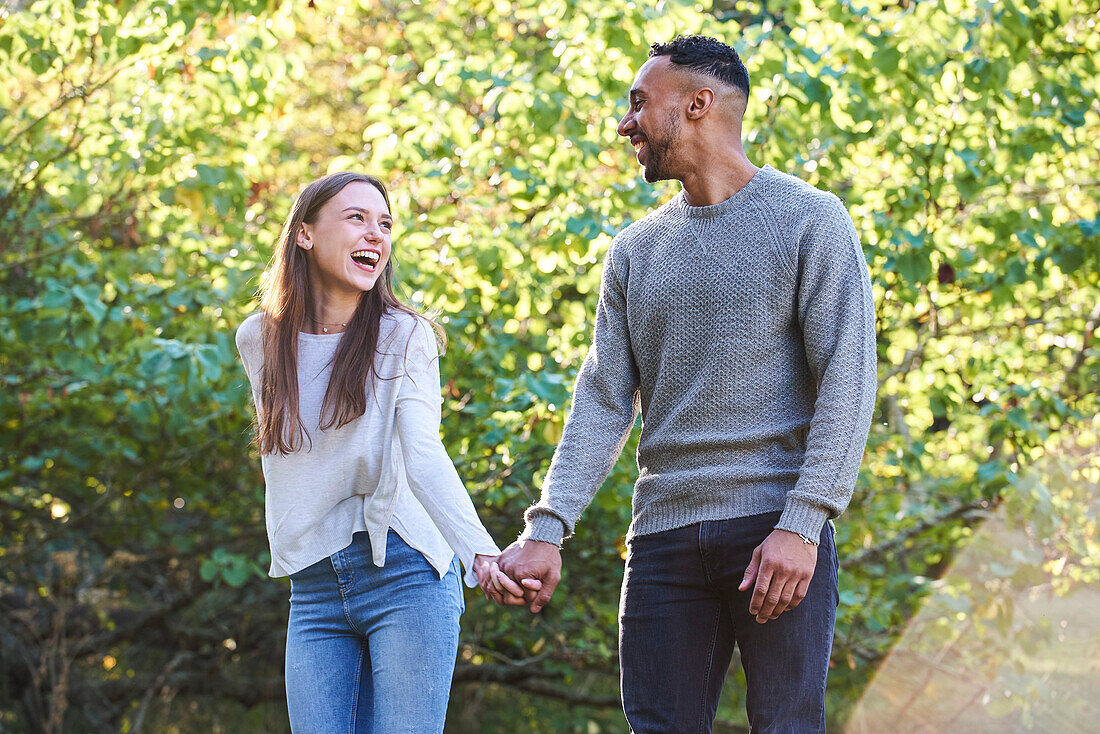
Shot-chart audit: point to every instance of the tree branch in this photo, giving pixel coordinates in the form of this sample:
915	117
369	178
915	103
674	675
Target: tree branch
529	676
507	673
563	694
969	513
1082	353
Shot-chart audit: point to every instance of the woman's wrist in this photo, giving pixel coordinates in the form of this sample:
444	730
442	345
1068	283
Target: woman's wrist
482	561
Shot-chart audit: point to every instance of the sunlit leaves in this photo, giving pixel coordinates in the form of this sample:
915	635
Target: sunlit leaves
151	150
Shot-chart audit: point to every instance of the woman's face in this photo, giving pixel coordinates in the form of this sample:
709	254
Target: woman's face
349	243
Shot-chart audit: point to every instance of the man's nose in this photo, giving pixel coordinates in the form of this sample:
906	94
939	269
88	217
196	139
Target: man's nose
624	125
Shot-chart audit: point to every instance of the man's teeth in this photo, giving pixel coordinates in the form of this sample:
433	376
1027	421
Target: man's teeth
639	145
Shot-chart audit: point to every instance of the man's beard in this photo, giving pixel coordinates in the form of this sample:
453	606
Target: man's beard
661	151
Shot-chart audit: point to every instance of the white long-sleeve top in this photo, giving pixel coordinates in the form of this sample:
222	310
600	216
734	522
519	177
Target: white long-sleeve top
387	468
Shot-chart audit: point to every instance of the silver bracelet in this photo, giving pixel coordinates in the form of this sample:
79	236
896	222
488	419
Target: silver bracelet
807	540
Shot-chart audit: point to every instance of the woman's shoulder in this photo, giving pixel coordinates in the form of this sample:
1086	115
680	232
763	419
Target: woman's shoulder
405	333
403	323
393	318
249	333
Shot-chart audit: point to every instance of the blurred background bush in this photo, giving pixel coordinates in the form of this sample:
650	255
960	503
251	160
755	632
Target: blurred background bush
149	152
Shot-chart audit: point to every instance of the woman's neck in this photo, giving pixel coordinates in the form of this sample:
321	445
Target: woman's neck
329	315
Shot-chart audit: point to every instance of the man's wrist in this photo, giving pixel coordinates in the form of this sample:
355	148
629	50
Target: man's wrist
544	528
804	538
547	542
802	517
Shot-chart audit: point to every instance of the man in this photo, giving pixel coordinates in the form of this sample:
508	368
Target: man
738	318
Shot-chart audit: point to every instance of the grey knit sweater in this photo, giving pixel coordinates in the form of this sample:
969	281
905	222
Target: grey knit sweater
744	332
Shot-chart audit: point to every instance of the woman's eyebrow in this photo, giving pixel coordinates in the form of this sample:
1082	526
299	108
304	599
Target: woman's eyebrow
361	210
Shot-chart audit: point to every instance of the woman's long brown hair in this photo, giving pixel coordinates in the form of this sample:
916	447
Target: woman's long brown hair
285	299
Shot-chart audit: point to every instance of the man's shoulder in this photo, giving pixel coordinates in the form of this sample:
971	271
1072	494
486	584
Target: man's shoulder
794	200
647	228
810	220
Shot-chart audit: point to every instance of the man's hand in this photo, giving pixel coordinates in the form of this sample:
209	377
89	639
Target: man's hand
496	586
533	560
782	567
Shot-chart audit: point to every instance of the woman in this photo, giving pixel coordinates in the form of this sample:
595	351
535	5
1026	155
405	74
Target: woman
364	509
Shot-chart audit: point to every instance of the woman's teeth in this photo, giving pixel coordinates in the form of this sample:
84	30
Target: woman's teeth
368	258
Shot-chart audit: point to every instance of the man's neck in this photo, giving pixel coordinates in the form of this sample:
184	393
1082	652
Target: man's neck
718	176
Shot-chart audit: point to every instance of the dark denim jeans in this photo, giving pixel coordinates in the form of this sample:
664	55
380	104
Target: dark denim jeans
681	614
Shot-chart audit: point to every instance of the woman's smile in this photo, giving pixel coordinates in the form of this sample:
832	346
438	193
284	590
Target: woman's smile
366	259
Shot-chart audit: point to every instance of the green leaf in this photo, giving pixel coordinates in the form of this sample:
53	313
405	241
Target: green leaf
236	574
209	570
1018	417
209	175
89	296
914	266
207	358
989	471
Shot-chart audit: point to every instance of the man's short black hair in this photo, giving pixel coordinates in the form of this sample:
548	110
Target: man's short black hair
708	56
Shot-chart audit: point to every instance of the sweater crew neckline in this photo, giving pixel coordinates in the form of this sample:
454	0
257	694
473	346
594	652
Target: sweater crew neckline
724	207
308	335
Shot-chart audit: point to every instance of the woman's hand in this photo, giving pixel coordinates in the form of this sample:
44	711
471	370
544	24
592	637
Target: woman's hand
497	586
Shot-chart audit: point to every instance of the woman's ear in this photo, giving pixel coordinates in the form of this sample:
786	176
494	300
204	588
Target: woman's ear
302	239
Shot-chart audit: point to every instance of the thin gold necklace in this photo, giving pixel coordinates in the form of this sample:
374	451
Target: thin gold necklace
324	327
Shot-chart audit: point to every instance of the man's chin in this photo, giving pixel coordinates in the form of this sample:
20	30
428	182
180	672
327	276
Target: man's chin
653	175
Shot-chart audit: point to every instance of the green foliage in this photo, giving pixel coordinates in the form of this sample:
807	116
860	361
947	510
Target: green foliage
148	153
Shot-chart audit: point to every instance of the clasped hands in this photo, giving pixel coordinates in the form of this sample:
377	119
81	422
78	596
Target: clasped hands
527	572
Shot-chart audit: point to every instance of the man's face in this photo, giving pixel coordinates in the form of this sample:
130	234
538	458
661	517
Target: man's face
653	121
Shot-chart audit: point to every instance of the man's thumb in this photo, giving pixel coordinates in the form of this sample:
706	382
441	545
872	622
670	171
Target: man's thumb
750	571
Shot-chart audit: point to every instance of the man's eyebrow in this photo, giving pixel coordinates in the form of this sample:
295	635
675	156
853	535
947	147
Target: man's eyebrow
636	92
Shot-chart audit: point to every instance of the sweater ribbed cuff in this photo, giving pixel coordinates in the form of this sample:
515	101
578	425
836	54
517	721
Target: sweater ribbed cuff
802	517
546	528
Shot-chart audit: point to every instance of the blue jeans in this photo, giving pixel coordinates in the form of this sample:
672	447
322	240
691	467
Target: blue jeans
371	649
681	614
